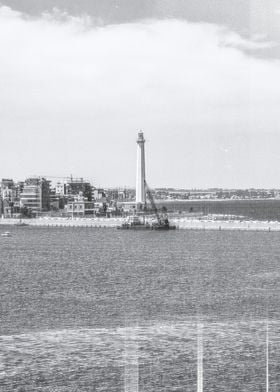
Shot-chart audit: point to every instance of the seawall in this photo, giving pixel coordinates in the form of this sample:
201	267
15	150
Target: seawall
249	225
181	223
65	222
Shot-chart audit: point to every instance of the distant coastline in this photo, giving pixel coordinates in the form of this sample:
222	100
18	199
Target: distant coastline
213	200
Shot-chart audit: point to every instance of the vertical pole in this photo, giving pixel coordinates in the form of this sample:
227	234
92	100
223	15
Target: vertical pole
199	358
140	170
131	371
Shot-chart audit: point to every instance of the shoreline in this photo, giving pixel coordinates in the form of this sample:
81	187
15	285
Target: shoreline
158	201
180	223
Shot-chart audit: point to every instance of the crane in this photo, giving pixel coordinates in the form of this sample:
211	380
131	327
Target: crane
162	222
151	199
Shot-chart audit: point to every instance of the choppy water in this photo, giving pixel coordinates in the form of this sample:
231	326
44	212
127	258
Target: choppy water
73	299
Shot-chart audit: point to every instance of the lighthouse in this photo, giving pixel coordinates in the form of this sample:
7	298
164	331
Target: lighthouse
140	172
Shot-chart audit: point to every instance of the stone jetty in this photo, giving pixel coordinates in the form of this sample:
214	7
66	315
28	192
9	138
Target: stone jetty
180	223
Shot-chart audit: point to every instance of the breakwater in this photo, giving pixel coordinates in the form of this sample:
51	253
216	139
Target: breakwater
181	223
244	225
66	222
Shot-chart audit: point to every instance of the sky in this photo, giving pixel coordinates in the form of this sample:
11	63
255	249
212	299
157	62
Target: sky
201	78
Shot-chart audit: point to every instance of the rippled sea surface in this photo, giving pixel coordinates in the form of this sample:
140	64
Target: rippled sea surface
82	308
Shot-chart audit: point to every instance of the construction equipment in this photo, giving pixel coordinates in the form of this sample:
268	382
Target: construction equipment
138	221
162	221
151	199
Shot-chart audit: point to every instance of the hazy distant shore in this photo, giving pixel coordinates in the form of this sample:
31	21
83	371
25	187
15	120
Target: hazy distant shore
181	223
162	201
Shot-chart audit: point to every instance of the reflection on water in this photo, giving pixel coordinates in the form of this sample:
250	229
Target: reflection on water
83	309
163	356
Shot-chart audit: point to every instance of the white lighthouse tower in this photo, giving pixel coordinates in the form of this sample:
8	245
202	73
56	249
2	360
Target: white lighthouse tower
140	172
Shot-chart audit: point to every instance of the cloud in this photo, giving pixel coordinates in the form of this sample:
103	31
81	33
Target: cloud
75	93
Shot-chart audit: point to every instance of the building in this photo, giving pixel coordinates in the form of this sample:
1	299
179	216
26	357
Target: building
131	204
7	183
120	194
140	172
61	188
35	195
7	189
80	208
98	194
7	196
75	186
